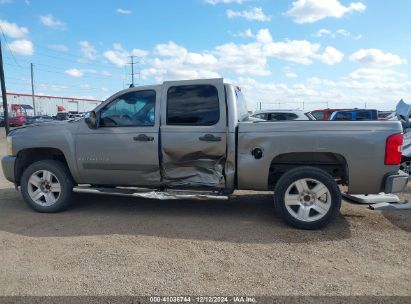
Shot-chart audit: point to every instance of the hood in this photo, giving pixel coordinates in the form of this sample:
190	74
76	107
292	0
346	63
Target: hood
44	127
403	112
403	109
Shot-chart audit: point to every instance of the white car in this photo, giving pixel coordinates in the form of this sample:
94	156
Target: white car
274	115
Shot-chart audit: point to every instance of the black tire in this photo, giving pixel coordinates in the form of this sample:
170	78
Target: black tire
288	178
63	175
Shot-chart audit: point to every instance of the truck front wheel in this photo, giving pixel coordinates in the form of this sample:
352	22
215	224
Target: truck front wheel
47	186
307	198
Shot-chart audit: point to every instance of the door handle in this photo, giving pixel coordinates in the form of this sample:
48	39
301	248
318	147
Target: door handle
143	137
209	137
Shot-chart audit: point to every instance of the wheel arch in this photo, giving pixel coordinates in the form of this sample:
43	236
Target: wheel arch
28	156
333	163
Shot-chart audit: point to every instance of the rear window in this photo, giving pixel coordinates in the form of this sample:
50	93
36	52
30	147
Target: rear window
194	105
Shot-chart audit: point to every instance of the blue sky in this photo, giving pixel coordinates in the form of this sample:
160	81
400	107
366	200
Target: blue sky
283	53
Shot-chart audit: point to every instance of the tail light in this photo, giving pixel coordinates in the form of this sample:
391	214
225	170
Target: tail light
393	149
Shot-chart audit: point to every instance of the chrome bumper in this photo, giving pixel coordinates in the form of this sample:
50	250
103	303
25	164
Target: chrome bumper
8	164
396	183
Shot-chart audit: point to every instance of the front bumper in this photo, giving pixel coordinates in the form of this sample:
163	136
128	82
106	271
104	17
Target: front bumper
8	165
396	183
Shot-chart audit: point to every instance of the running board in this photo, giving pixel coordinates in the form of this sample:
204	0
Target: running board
152	194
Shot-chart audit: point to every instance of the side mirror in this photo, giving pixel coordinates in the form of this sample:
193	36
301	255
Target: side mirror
91	120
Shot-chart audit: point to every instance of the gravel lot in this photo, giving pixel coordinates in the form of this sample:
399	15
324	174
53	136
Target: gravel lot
127	246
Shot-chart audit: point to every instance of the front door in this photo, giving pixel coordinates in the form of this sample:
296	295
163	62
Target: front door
193	134
123	150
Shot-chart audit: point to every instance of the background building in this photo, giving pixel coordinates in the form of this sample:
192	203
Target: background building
47	105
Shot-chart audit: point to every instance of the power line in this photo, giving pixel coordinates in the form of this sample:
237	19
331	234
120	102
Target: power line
8	47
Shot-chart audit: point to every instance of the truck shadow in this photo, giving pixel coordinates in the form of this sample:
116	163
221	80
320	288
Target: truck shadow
243	219
399	218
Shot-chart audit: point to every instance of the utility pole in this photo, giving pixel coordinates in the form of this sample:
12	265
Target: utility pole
132	71
32	89
3	92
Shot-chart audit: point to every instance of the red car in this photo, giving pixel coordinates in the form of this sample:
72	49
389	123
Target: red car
324	114
17	121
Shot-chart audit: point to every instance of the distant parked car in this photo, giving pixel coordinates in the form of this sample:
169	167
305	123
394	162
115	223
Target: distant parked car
355	115
38	119
2	121
75	116
385	115
17	121
281	115
62	116
323	114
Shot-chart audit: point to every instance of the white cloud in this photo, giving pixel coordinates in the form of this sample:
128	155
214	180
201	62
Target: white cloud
340	32
343	32
123	11
264	36
255	14
5	1
74	72
120	57
246	33
291	75
170	49
309	11
173	61
22	47
12	29
379	75
58	47
331	56
88	50
214	2
299	51
106	73
242	58
50	21
324	32
355	90
376	58
177	62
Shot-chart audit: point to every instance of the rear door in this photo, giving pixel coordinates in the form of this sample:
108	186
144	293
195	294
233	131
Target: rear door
193	134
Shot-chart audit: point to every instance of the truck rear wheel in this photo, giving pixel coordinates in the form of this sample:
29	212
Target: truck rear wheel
307	198
47	186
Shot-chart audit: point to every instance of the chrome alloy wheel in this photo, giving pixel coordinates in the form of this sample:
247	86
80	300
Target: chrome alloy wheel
307	200
44	188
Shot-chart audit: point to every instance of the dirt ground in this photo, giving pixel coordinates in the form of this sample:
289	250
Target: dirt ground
126	246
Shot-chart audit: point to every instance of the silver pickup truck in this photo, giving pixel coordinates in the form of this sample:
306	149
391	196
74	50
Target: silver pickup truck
185	139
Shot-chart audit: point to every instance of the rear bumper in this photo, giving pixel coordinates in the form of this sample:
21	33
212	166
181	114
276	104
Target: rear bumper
396	183
8	165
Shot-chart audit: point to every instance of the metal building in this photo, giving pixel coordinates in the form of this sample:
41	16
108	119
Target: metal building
22	104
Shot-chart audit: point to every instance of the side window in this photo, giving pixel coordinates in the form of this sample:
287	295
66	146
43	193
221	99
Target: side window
318	115
363	115
344	116
130	110
194	105
261	116
291	116
278	116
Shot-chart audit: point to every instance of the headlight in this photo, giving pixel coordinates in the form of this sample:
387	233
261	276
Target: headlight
9	145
